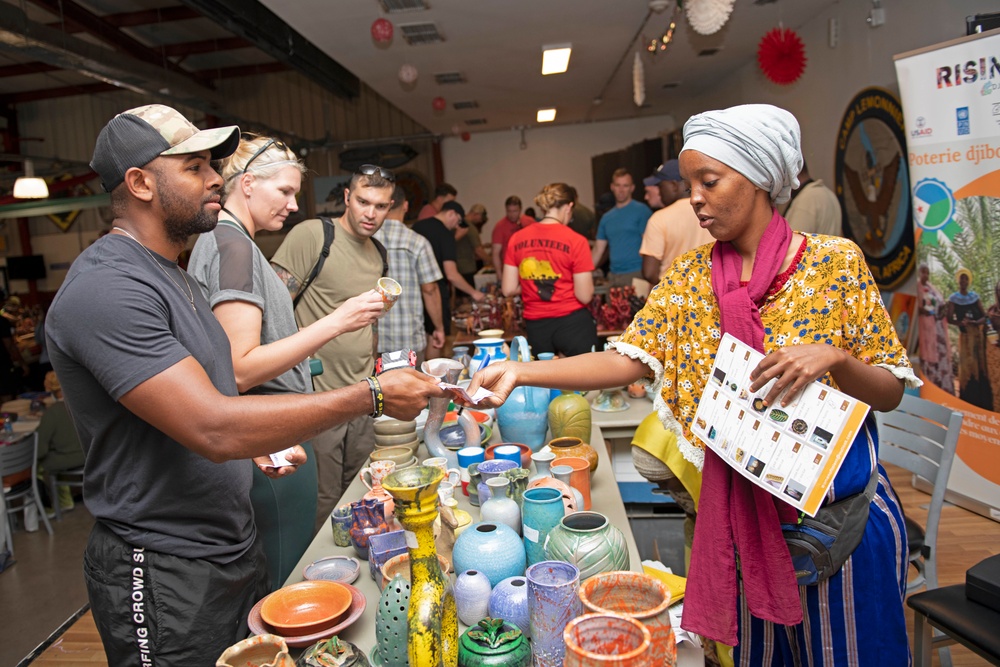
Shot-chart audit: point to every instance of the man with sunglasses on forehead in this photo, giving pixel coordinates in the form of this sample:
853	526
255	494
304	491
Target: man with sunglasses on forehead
174	564
353	266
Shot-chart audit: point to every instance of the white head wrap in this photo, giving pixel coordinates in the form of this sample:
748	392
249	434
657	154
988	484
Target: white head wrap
760	141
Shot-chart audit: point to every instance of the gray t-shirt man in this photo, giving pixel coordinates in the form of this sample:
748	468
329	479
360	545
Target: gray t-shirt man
153	492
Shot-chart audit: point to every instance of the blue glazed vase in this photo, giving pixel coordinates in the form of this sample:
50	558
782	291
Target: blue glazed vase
491	548
524	416
491	347
541	511
367	519
472	595
509	601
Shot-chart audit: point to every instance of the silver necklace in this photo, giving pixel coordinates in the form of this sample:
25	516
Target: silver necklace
189	295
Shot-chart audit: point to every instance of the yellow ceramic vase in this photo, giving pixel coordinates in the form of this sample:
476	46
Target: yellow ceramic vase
432	639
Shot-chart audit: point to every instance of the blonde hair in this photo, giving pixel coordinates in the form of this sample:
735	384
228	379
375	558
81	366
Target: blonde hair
266	165
555	195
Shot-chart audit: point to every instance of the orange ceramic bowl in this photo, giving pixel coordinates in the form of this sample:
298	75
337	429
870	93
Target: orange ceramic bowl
306	607
400	564
480	417
525	453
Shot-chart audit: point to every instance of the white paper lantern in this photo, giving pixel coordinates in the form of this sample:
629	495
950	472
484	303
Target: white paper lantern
708	16
408	74
638	80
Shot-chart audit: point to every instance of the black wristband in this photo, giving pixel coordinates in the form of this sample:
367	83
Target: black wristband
378	400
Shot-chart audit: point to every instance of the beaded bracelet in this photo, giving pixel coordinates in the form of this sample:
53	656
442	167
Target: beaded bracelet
378	399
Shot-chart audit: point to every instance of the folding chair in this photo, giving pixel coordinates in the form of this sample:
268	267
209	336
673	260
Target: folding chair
18	457
71	478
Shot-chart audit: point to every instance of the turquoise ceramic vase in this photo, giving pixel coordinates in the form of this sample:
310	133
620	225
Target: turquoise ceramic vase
524	417
541	511
493	643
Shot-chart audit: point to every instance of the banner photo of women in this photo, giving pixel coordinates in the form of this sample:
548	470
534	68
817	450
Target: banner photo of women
951	106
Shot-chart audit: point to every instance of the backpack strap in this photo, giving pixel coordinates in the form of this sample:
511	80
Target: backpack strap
328	231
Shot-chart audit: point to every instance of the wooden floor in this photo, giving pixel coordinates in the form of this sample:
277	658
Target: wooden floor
964	540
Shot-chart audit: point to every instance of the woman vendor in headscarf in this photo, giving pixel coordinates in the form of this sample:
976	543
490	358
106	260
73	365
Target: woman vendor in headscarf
965	311
809	303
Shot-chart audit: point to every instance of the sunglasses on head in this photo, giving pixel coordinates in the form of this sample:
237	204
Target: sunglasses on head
262	150
374	169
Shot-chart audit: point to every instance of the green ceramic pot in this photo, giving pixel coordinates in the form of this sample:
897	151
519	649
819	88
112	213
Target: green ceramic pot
493	643
589	541
569	416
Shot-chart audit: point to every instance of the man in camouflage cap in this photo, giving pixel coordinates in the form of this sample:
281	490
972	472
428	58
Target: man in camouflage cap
173	565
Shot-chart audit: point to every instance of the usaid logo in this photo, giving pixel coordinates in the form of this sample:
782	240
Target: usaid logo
922	130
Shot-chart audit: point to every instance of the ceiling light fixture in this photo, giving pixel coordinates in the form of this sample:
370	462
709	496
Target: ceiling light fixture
555	58
546	115
29	186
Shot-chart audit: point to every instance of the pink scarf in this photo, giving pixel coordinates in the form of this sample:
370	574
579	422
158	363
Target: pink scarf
733	513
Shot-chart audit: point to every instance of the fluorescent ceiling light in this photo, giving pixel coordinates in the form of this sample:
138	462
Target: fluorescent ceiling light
555	59
546	115
28	186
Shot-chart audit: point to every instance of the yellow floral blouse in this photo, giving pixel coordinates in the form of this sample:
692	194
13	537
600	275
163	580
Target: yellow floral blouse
830	298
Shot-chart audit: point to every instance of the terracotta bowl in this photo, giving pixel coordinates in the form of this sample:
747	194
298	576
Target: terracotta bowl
401	565
525	453
305	607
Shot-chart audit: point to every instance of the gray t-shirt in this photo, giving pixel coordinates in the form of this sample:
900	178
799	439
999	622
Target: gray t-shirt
120	318
230	267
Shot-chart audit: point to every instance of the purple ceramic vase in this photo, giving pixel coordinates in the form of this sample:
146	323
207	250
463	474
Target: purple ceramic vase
553	601
367	518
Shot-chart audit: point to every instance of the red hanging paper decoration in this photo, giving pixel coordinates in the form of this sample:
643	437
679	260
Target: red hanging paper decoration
466	136
782	56
439	104
382	31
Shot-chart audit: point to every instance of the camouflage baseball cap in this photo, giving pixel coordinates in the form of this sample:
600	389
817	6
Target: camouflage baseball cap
136	137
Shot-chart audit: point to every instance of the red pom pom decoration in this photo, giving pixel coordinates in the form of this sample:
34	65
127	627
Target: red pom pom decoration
781	56
439	104
466	136
382	31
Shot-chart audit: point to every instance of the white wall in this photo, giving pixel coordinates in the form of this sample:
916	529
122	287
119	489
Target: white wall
490	166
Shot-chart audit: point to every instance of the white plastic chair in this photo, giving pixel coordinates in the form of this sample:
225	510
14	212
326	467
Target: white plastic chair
14	458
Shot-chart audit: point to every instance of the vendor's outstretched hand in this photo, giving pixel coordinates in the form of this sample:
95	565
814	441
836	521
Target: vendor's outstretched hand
296	456
406	392
500	378
793	368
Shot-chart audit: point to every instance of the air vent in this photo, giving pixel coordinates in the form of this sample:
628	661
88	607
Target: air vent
468	104
708	52
446	78
476	121
401	6
671	84
421	33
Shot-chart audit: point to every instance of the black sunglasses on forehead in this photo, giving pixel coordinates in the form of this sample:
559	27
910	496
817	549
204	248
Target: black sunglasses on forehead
373	169
262	150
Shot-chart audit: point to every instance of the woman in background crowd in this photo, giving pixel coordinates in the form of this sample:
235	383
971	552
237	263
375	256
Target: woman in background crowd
965	311
935	348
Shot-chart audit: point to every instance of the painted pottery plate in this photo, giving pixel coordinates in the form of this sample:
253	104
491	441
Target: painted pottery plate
600	407
343	569
358	604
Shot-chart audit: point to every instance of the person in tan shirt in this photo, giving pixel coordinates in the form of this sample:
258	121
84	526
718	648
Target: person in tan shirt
673	229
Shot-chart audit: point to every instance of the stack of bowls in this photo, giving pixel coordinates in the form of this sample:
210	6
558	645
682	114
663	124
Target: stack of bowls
397	441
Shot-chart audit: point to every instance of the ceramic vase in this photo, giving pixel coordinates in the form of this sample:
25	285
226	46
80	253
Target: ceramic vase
367	518
553	601
493	643
574	447
542	460
446	370
579	479
341	520
487	470
500	508
382	547
563	474
472	596
589	541
261	651
333	651
524	416
475	479
391	624
569	416
542	510
460	353
509	601
488	351
466	457
518	483
432	618
639	596
594	640
491	548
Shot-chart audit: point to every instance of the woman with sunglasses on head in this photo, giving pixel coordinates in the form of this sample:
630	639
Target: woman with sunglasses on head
550	266
809	304
262	179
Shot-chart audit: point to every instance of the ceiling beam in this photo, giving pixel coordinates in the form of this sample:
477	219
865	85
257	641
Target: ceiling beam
52	93
107	32
256	23
150	16
26	68
184	49
244	70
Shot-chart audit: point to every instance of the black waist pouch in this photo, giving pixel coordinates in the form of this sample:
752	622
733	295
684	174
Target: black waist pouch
820	545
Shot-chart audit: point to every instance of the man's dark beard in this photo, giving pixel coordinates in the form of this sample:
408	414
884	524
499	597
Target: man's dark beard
179	226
